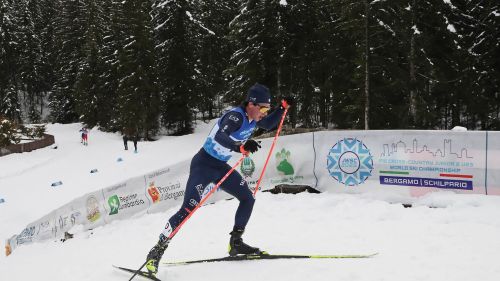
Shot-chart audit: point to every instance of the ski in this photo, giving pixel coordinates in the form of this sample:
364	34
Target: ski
268	257
142	274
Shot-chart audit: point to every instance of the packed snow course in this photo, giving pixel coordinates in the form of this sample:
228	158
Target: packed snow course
444	236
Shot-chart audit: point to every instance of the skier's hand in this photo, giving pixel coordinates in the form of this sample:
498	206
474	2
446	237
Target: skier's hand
250	146
286	102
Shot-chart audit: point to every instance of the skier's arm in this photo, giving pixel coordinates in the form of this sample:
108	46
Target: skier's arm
231	122
271	121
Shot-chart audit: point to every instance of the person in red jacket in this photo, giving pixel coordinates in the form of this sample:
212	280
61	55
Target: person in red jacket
85	136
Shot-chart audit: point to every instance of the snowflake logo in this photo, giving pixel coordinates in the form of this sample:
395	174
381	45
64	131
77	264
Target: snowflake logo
350	162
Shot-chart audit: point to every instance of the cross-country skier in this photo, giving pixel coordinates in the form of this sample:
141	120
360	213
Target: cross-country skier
231	133
85	136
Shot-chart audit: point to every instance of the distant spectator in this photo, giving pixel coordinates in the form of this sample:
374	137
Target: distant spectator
85	135
125	140
130	134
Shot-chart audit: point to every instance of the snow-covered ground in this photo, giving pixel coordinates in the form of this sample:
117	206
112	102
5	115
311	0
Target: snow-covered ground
458	240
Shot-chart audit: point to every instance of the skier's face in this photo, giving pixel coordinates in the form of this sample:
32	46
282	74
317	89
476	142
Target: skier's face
257	111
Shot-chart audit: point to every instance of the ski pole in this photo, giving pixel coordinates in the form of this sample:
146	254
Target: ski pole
206	197
270	151
196	208
138	270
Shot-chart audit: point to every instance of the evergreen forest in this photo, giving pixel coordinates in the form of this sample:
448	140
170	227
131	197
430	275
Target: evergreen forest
160	65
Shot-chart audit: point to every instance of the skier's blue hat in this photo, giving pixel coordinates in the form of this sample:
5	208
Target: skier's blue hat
258	93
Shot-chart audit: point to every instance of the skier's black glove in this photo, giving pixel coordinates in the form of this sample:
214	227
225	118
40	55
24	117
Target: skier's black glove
250	146
286	102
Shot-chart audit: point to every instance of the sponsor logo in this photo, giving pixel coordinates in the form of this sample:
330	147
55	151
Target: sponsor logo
427	182
204	191
167	230
247	167
350	162
117	203
44	227
26	235
193	203
162	193
285	168
234	118
282	159
66	221
93	212
245	134
153	192
114	205
207	190
200	189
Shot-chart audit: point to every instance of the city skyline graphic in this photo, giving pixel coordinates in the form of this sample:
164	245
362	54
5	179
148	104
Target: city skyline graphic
445	151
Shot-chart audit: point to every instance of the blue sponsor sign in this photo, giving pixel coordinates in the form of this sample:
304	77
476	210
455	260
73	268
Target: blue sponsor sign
427	182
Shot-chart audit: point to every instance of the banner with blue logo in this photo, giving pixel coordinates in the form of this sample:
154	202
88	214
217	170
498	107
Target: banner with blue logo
406	162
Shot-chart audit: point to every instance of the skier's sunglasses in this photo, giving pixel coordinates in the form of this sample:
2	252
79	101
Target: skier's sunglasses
262	108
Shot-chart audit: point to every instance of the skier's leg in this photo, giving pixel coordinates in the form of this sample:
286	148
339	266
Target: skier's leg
237	186
199	177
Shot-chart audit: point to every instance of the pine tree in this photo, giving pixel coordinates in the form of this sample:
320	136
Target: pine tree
176	32
137	89
213	52
389	68
441	65
70	30
30	79
88	97
113	38
477	23
301	54
45	28
9	103
258	37
349	104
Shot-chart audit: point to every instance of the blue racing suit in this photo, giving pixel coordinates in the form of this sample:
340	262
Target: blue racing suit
209	165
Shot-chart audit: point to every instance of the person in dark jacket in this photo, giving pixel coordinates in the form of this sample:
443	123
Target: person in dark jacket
231	134
130	134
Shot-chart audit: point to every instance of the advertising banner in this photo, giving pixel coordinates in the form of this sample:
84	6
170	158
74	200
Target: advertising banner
407	162
68	216
165	187
42	229
125	199
493	163
92	209
86	211
291	162
402	164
